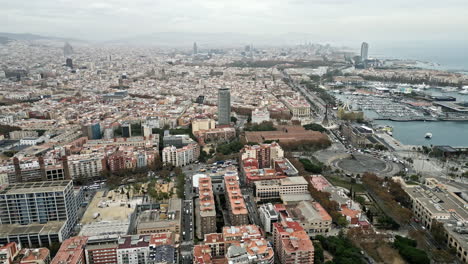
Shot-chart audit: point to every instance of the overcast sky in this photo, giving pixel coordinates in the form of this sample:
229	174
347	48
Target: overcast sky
327	20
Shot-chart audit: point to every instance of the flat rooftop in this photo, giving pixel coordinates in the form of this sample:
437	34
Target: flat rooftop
105	228
42	229
35	187
110	206
168	214
293	181
296	197
439	201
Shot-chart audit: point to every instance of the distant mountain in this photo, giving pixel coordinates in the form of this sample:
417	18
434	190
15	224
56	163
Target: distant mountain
4	40
32	37
186	39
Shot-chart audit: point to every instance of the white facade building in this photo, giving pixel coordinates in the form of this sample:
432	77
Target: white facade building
259	116
268	216
180	156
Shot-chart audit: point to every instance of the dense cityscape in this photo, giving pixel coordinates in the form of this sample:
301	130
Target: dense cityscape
135	155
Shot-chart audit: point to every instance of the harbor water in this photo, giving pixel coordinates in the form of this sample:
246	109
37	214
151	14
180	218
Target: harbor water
450	133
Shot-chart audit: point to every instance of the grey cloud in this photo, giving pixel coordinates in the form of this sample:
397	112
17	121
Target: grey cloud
332	20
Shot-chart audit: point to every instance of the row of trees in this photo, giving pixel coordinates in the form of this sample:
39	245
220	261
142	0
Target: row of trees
315	127
390	193
342	249
323	94
6	129
306	144
264	126
314	167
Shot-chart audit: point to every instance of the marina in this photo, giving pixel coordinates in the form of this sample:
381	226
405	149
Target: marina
449	133
404	103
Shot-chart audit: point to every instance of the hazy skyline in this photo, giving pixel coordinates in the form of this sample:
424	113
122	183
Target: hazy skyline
335	21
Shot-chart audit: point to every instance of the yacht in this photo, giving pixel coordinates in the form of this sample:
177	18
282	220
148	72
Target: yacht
428	135
464	91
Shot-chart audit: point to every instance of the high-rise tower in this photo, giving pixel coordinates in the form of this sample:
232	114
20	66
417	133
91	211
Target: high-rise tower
364	51
195	48
224	106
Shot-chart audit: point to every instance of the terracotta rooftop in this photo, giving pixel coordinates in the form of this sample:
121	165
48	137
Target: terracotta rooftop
202	254
234	195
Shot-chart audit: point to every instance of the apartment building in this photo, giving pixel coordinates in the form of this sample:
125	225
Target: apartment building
32	169
180	156
205	208
216	243
35	256
265	154
292	243
236	244
238	213
133	249
102	250
86	165
202	254
71	251
138	141
203	124
20	134
268	216
8	252
162	248
13	253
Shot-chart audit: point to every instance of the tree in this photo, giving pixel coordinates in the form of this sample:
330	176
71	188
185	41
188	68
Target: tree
318	253
315	127
343	250
234	119
361	200
438	232
264	126
312	167
407	249
158	165
6	129
342	222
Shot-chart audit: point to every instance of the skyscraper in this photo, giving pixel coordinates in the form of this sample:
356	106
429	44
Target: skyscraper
69	63
364	51
195	48
224	106
28	209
